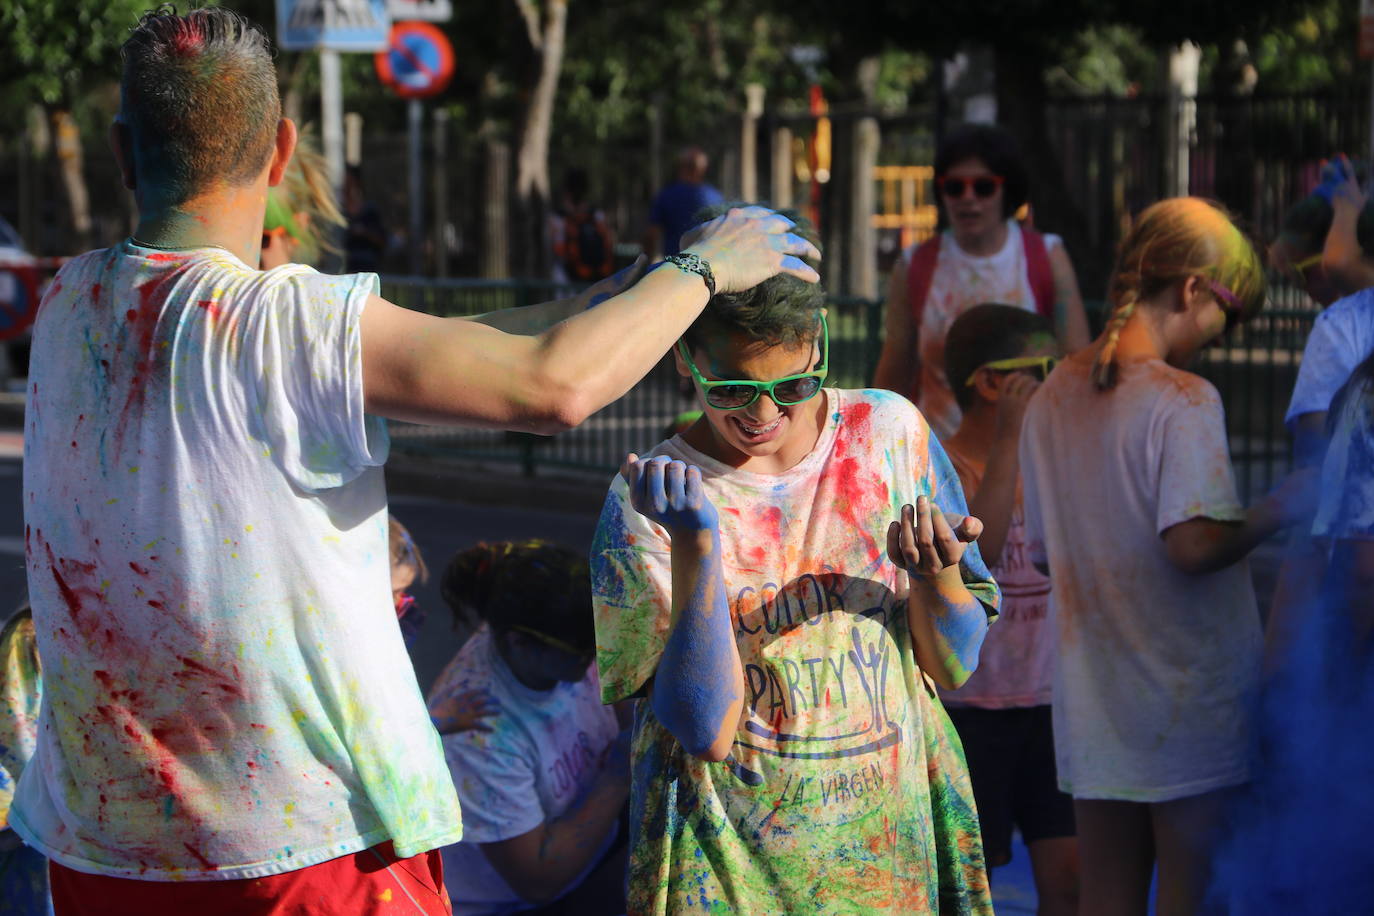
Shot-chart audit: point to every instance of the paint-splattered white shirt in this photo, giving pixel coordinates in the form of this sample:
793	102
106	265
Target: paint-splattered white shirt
541	755
226	690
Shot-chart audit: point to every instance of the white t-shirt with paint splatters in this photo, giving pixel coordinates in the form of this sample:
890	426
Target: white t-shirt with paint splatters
226	692
1155	667
541	755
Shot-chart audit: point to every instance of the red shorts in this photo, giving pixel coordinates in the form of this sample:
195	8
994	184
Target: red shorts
370	882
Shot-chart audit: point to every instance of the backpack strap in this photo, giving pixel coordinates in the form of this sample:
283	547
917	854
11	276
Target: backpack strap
919	275
1038	271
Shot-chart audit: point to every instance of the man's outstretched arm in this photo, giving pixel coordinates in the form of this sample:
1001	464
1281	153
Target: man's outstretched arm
444	370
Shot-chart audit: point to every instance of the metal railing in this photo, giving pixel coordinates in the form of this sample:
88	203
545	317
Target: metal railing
1254	370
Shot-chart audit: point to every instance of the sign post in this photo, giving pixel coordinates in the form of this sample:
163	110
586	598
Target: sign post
417	63
331	26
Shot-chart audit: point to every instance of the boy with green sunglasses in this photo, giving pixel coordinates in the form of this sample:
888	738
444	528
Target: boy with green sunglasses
783	583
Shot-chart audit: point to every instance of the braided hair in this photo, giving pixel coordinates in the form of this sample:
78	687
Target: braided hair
1171	241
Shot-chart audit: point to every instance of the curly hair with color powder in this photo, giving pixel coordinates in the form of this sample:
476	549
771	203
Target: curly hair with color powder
199	97
1171	241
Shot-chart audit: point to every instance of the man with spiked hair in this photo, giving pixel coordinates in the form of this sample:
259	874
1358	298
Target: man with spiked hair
230	721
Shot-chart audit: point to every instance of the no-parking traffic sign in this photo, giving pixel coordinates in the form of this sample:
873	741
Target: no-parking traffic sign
418	61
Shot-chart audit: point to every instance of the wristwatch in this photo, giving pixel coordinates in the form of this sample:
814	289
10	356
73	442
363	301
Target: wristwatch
695	264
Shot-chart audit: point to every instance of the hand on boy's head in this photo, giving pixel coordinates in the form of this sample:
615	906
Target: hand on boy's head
669	493
750	244
924	543
1338	182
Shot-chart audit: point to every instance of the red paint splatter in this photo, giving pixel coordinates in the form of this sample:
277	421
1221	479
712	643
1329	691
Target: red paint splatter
157	604
141	570
210	306
131	314
252	765
95	293
200	857
104	678
223	681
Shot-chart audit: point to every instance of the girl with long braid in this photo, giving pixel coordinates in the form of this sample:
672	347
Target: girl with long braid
1130	495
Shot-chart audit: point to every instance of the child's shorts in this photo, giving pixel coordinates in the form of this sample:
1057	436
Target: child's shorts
1010	755
368	883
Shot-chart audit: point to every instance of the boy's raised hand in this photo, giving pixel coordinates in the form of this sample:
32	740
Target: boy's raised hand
924	544
669	493
1012	399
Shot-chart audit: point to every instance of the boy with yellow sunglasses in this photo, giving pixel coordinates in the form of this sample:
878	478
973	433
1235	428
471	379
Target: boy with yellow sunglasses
998	355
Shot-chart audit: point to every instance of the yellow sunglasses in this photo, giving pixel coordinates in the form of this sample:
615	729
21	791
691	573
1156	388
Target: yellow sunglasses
554	642
1041	366
1302	267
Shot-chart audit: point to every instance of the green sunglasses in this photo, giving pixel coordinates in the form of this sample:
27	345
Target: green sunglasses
1038	366
733	394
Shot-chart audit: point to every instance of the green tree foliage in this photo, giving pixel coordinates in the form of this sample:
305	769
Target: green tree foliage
53	48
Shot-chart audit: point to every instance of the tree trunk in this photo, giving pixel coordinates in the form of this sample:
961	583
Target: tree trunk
67	148
1022	101
532	155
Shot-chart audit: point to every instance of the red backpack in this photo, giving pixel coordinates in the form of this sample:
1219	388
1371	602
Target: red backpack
1038	271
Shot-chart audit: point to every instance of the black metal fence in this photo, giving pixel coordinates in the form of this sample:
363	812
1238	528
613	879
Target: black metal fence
1254	369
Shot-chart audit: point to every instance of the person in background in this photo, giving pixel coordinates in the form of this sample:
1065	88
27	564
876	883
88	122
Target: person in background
1323	244
1130	494
997	356
301	216
544	782
407	567
982	255
365	236
674	210
583	244
23	870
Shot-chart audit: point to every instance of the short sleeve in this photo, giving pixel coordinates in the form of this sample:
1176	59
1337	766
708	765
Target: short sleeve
947	493
1332	351
1346	506
1195	475
305	351
496	787
632	591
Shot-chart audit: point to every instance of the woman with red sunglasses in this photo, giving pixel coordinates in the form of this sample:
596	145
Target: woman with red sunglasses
983	255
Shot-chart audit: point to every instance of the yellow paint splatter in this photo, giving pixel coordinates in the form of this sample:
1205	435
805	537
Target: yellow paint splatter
385	896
